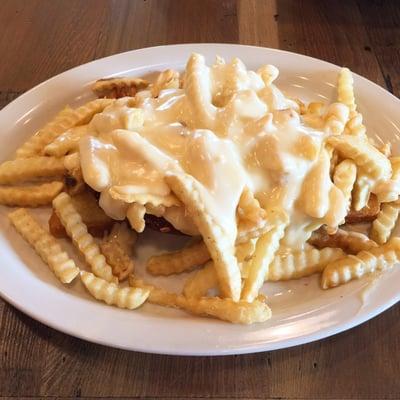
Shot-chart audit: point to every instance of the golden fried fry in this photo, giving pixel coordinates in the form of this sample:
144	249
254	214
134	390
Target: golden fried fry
266	247
192	256
77	231
361	191
355	126
179	261
345	89
385	222
45	245
205	278
336	118
338	208
92	215
201	282
30	196
67	142
314	197
115	88
366	156
117	248
389	191
348	241
298	264
198	91
240	312
219	243
110	293
365	262
168	79
344	176
65	120
25	169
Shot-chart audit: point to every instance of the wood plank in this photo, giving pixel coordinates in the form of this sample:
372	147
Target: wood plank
151	24
384	38
332	33
367	351
258	23
23	344
49	37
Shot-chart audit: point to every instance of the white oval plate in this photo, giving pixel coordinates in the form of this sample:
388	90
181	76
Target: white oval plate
302	312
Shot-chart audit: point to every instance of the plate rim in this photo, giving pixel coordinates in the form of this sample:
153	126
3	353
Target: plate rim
159	348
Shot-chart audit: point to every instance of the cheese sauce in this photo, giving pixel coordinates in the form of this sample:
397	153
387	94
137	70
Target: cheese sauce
227	128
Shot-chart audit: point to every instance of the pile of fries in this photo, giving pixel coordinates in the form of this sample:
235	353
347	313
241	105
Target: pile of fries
364	188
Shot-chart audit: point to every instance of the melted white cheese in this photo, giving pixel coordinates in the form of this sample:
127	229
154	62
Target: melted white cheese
245	134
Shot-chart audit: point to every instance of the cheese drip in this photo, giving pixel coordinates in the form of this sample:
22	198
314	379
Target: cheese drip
228	128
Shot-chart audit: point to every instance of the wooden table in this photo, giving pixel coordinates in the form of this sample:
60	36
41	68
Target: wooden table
41	38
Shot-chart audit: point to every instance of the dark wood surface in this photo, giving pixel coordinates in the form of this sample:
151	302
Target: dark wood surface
40	38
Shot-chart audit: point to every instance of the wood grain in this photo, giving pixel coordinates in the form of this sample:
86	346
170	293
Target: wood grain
384	38
40	38
337	34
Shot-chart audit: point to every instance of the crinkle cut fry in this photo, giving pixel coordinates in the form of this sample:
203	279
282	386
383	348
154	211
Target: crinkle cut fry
45	245
293	265
266	247
299	264
344	176
67	142
111	294
117	248
93	216
198	91
365	262
218	242
240	312
336	118
355	126
66	119
366	156
77	230
24	169
391	189
189	257
118	87
30	196
345	89
179	261
385	222
349	241
361	191
201	282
